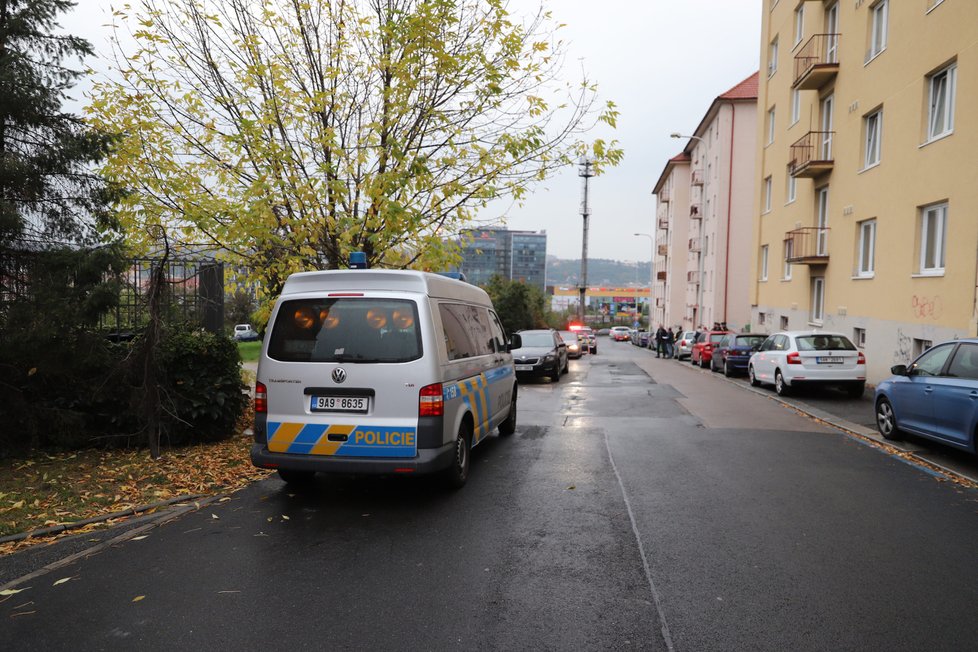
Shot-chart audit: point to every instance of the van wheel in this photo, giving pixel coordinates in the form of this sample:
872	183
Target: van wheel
458	473
296	478
508	426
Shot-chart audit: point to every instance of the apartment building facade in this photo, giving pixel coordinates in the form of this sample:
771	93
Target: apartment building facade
864	196
708	236
514	255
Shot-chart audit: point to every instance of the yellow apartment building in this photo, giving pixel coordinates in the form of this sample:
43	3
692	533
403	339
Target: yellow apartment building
866	189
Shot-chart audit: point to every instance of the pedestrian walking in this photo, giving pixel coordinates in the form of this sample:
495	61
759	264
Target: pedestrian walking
669	341
660	342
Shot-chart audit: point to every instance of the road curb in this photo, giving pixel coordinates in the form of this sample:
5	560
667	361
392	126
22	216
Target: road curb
157	520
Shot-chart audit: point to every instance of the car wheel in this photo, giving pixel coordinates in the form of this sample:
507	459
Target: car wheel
703	363
726	370
566	365
754	382
886	420
780	386
508	426
458	473
855	390
296	478
555	372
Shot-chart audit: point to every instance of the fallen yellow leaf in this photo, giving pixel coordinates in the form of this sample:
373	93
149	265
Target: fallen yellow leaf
61	581
138	598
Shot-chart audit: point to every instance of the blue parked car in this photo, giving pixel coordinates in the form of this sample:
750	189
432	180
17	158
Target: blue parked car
731	354
935	397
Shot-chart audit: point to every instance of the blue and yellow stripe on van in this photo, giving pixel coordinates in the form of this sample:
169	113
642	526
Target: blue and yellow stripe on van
475	396
360	441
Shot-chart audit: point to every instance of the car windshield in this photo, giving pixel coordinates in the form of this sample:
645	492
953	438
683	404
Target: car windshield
824	343
346	330
716	337
569	336
749	340
544	339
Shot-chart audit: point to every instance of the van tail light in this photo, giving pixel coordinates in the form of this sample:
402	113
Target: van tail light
794	358
430	401
862	358
261	398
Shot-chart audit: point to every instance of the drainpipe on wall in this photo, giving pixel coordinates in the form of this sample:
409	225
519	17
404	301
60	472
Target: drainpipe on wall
726	261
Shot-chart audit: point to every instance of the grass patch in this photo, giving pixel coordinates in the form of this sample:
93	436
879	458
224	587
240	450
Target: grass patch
50	489
249	351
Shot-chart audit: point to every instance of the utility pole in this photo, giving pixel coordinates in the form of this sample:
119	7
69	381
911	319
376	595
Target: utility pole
585	172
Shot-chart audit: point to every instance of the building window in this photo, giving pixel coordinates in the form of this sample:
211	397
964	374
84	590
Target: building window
933	235
880	15
767	194
919	346
784	323
788	249
772	57
940	117
760	318
859	337
795	105
867	249
764	263
770	125
799	23
792	185
818	299
873	124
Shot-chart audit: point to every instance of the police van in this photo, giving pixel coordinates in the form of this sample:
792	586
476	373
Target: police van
381	372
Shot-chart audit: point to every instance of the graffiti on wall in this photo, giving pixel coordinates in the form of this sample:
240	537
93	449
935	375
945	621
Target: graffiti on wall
927	307
903	352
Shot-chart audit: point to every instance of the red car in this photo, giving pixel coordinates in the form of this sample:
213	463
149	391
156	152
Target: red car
706	341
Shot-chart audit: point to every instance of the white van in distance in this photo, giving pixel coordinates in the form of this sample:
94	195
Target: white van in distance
381	372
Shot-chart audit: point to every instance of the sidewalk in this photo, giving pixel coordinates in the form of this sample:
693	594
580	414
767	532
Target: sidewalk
855	417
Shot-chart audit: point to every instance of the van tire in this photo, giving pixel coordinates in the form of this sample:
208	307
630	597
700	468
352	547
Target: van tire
296	478
457	474
508	425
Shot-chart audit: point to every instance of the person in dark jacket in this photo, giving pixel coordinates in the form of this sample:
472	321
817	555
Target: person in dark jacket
660	342
668	339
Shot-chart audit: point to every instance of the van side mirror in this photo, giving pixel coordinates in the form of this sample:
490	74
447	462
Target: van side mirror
899	370
515	342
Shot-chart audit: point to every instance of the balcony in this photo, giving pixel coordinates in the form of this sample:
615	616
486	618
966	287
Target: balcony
693	277
696	178
695	212
662	250
807	246
660	276
695	244
817	62
811	155
664	195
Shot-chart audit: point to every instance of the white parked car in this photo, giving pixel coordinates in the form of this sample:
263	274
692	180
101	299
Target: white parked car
792	359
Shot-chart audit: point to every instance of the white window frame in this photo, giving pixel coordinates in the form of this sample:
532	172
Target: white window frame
866	258
822	217
941	86
764	252
817	314
799	23
795	106
770	125
880	16
827	124
792	186
872	148
768	187
772	57
933	246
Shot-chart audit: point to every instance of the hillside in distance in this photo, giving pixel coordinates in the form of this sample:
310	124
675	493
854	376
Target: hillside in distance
601	272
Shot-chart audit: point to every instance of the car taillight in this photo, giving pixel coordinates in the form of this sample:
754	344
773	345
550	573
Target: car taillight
862	358
794	358
261	398
430	401
708	347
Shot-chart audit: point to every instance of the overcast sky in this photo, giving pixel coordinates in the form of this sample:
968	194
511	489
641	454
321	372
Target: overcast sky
661	61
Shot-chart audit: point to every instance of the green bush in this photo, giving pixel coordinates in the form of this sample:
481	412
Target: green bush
201	385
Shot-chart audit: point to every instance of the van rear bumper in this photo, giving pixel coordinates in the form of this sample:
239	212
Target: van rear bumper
428	460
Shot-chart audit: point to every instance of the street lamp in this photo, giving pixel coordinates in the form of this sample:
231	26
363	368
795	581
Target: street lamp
676	134
651	272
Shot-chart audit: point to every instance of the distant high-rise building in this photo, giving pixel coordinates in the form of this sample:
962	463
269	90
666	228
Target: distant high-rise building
514	255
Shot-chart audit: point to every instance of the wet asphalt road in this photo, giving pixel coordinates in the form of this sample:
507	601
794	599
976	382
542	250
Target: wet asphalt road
627	512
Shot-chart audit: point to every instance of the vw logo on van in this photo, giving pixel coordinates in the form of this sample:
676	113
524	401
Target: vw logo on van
339	374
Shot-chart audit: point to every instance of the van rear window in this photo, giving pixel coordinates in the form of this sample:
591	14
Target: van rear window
346	330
